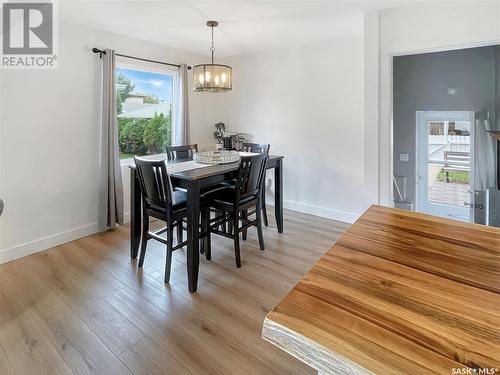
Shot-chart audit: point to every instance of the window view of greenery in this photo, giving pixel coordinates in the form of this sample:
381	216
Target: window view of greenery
144	106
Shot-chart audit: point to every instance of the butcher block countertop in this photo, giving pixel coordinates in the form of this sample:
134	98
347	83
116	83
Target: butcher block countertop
399	293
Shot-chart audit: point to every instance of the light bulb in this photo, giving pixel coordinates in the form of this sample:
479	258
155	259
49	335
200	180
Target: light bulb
208	76
201	78
223	77
216	79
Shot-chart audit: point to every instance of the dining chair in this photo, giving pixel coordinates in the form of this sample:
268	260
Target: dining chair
258	148
181	152
232	201
161	202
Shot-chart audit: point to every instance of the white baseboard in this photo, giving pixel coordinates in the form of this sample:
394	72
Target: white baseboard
28	248
329	213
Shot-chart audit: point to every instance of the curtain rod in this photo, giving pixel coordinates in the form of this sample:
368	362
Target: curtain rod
102	52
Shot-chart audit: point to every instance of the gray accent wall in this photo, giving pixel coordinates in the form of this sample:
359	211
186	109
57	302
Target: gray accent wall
496	197
421	83
497	112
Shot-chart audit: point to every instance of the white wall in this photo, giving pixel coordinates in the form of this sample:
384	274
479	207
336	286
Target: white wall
49	140
423	27
307	102
371	105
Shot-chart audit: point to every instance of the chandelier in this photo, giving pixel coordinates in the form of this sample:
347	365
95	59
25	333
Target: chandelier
212	77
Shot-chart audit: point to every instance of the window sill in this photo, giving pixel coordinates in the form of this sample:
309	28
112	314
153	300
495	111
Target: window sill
126	162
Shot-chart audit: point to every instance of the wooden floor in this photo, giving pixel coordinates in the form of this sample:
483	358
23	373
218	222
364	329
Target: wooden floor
84	308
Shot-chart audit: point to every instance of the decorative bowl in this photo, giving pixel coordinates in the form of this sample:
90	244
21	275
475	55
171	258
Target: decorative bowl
216	157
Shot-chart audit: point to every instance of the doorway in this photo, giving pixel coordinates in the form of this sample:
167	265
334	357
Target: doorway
444	165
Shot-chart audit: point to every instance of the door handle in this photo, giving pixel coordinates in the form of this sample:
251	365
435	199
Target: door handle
477	205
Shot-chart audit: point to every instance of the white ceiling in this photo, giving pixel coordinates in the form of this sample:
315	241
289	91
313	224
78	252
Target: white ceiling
244	26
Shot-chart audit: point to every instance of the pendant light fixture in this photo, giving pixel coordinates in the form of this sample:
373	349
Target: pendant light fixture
212	77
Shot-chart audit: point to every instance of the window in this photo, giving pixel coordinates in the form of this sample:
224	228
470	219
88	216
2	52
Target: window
145	103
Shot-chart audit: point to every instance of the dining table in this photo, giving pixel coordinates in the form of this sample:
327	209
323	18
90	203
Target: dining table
195	178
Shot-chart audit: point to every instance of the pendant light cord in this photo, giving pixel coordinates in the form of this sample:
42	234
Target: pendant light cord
212	48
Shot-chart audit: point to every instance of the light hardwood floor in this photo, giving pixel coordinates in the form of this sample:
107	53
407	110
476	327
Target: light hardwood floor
83	307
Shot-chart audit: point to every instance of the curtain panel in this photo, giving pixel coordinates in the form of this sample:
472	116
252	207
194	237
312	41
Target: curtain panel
181	130
485	171
110	184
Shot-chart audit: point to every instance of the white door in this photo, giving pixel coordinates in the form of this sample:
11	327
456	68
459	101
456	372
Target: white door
444	163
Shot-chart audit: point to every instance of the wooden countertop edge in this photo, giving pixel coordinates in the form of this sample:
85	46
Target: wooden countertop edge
308	351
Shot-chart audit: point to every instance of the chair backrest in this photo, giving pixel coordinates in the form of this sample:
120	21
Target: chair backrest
251	175
257	148
154	181
181	152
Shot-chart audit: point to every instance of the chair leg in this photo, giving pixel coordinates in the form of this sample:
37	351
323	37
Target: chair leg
219	214
236	240
179	232
224	225
264	209
229	225
244	215
203	242
258	214
144	239
208	239
203	225
168	261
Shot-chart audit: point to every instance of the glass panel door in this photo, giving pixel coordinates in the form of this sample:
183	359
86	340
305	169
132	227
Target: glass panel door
444	164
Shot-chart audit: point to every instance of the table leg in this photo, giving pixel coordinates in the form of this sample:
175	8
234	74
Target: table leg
278	195
135	214
193	243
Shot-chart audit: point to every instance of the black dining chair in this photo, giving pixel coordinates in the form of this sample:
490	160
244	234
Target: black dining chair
232	201
258	148
161	202
181	152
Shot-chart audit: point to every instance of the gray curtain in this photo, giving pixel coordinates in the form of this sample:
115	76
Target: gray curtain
181	126
110	187
484	155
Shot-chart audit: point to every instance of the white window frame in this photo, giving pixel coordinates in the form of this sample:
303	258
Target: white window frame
149	67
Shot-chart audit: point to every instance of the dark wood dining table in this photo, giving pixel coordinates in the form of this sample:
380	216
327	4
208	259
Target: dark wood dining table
194	181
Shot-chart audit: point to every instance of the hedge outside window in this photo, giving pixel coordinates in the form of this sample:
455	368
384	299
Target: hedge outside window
144	107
